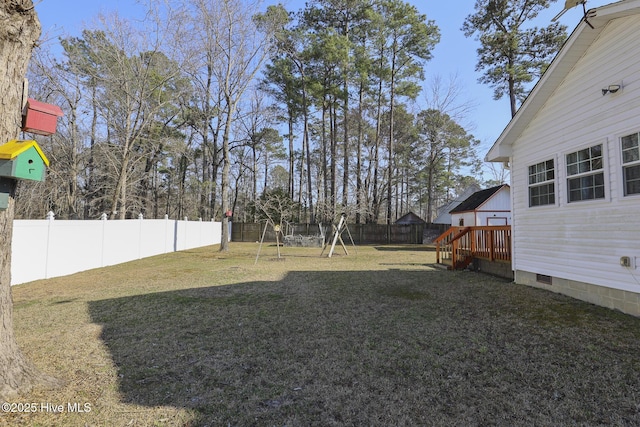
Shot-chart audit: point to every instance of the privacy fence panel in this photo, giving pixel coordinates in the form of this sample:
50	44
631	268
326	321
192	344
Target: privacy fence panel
49	248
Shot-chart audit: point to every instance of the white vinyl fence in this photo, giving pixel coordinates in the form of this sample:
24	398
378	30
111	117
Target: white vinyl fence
49	248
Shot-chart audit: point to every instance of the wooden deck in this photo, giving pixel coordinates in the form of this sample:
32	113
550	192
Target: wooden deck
458	246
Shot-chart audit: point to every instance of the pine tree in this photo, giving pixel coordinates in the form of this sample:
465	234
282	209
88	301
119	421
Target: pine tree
510	55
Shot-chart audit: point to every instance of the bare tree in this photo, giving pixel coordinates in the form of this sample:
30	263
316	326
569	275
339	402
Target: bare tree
134	77
499	173
61	84
202	52
447	97
245	39
19	33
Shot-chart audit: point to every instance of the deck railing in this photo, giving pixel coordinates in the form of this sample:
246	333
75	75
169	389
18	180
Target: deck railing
458	246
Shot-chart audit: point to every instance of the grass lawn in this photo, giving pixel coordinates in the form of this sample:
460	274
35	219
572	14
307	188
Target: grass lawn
376	338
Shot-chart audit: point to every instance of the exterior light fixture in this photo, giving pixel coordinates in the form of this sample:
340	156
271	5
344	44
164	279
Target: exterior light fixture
611	89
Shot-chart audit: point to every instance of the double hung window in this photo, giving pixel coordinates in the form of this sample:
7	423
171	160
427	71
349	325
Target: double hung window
630	164
542	184
585	174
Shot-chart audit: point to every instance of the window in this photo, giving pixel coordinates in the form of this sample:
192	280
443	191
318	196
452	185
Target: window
631	164
542	184
585	174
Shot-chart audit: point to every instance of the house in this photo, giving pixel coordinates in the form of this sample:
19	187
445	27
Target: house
573	148
444	217
491	206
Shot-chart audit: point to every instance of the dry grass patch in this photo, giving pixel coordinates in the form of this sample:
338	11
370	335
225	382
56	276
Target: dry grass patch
379	337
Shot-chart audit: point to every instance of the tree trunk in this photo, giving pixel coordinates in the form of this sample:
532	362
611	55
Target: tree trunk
118	200
291	183
391	136
90	209
345	168
512	92
375	208
430	203
19	33
333	132
359	155
325	154
302	214
206	119
226	152
72	212
305	137
254	171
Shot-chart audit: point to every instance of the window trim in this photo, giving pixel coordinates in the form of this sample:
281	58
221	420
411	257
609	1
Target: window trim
623	165
590	173
553	181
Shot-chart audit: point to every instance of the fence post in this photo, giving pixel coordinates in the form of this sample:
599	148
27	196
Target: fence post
140	218
103	218
454	249
50	217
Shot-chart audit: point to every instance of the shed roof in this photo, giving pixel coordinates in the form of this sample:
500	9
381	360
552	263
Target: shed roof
476	200
410	218
588	30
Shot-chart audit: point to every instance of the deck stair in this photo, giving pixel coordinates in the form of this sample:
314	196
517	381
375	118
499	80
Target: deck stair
459	246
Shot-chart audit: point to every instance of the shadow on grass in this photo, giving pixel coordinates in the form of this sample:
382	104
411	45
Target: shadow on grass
375	348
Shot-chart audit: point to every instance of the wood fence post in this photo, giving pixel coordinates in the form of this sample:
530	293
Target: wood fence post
454	249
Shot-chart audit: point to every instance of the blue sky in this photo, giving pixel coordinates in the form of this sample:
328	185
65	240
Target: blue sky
454	55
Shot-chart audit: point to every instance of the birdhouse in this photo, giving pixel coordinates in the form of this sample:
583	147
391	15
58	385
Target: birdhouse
40	118
22	160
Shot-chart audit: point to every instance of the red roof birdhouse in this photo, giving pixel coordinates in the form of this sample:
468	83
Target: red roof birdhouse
40	118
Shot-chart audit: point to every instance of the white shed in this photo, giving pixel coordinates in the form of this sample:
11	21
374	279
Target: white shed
491	206
574	153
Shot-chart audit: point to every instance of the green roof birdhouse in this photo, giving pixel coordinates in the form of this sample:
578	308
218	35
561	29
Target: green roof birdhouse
22	160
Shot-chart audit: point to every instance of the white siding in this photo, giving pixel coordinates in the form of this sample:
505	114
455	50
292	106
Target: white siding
468	218
497	206
583	241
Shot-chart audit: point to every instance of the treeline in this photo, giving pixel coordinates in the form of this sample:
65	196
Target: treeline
213	106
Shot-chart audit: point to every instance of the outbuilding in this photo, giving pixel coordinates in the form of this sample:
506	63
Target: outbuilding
444	212
488	207
410	218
